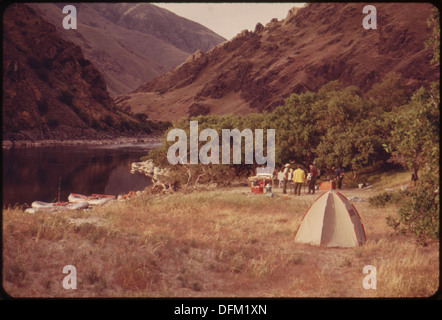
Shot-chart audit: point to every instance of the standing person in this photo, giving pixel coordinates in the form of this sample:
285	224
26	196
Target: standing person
339	176
313	175
286	173
298	179
414	177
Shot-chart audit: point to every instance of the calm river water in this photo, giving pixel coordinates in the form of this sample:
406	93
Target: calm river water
33	173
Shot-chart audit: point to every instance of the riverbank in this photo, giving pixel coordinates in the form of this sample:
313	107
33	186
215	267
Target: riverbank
220	242
152	138
52	171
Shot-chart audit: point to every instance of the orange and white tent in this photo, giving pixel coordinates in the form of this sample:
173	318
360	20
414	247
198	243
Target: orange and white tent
332	221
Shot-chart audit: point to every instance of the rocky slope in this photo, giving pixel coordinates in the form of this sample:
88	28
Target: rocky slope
50	90
316	44
130	43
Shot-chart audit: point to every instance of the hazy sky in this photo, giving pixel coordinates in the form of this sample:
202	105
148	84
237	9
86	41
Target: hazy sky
229	19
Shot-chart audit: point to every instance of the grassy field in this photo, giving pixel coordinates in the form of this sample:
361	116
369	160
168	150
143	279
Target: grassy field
213	243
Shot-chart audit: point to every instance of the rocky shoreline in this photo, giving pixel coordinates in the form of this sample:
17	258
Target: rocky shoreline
154	139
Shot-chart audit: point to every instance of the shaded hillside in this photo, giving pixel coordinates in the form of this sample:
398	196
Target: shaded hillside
184	34
314	45
130	43
50	90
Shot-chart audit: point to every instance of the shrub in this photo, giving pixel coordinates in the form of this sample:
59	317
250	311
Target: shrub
20	23
34	63
144	127
82	115
83	62
418	212
381	200
42	74
95	124
66	97
42	106
40	66
109	121
385	198
159	125
128	125
53	122
47	63
141	116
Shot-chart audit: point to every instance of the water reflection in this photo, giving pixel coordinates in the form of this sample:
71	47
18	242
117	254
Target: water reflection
31	174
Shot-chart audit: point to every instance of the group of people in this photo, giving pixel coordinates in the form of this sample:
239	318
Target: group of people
299	176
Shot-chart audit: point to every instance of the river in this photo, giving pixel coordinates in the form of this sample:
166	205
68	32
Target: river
39	173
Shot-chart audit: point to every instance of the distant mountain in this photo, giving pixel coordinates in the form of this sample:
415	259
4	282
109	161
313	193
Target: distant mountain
50	90
130	43
184	34
312	46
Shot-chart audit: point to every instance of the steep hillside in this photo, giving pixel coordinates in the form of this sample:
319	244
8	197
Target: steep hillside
184	34
50	90
130	43
314	45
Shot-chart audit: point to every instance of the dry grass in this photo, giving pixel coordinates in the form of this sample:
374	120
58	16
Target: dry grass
219	243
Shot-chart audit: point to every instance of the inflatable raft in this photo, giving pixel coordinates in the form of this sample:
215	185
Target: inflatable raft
93	200
37	206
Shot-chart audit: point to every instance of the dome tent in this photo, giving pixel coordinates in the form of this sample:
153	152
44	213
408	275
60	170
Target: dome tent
332	221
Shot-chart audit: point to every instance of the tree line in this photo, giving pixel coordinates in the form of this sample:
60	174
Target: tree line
342	126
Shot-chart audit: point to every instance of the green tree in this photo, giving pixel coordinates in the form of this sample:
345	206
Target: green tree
353	147
297	130
416	145
434	41
388	94
415	136
348	136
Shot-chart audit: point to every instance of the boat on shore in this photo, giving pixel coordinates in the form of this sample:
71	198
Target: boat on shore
93	199
39	206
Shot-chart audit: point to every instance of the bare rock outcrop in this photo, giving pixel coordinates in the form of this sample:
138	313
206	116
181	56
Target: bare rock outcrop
159	176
